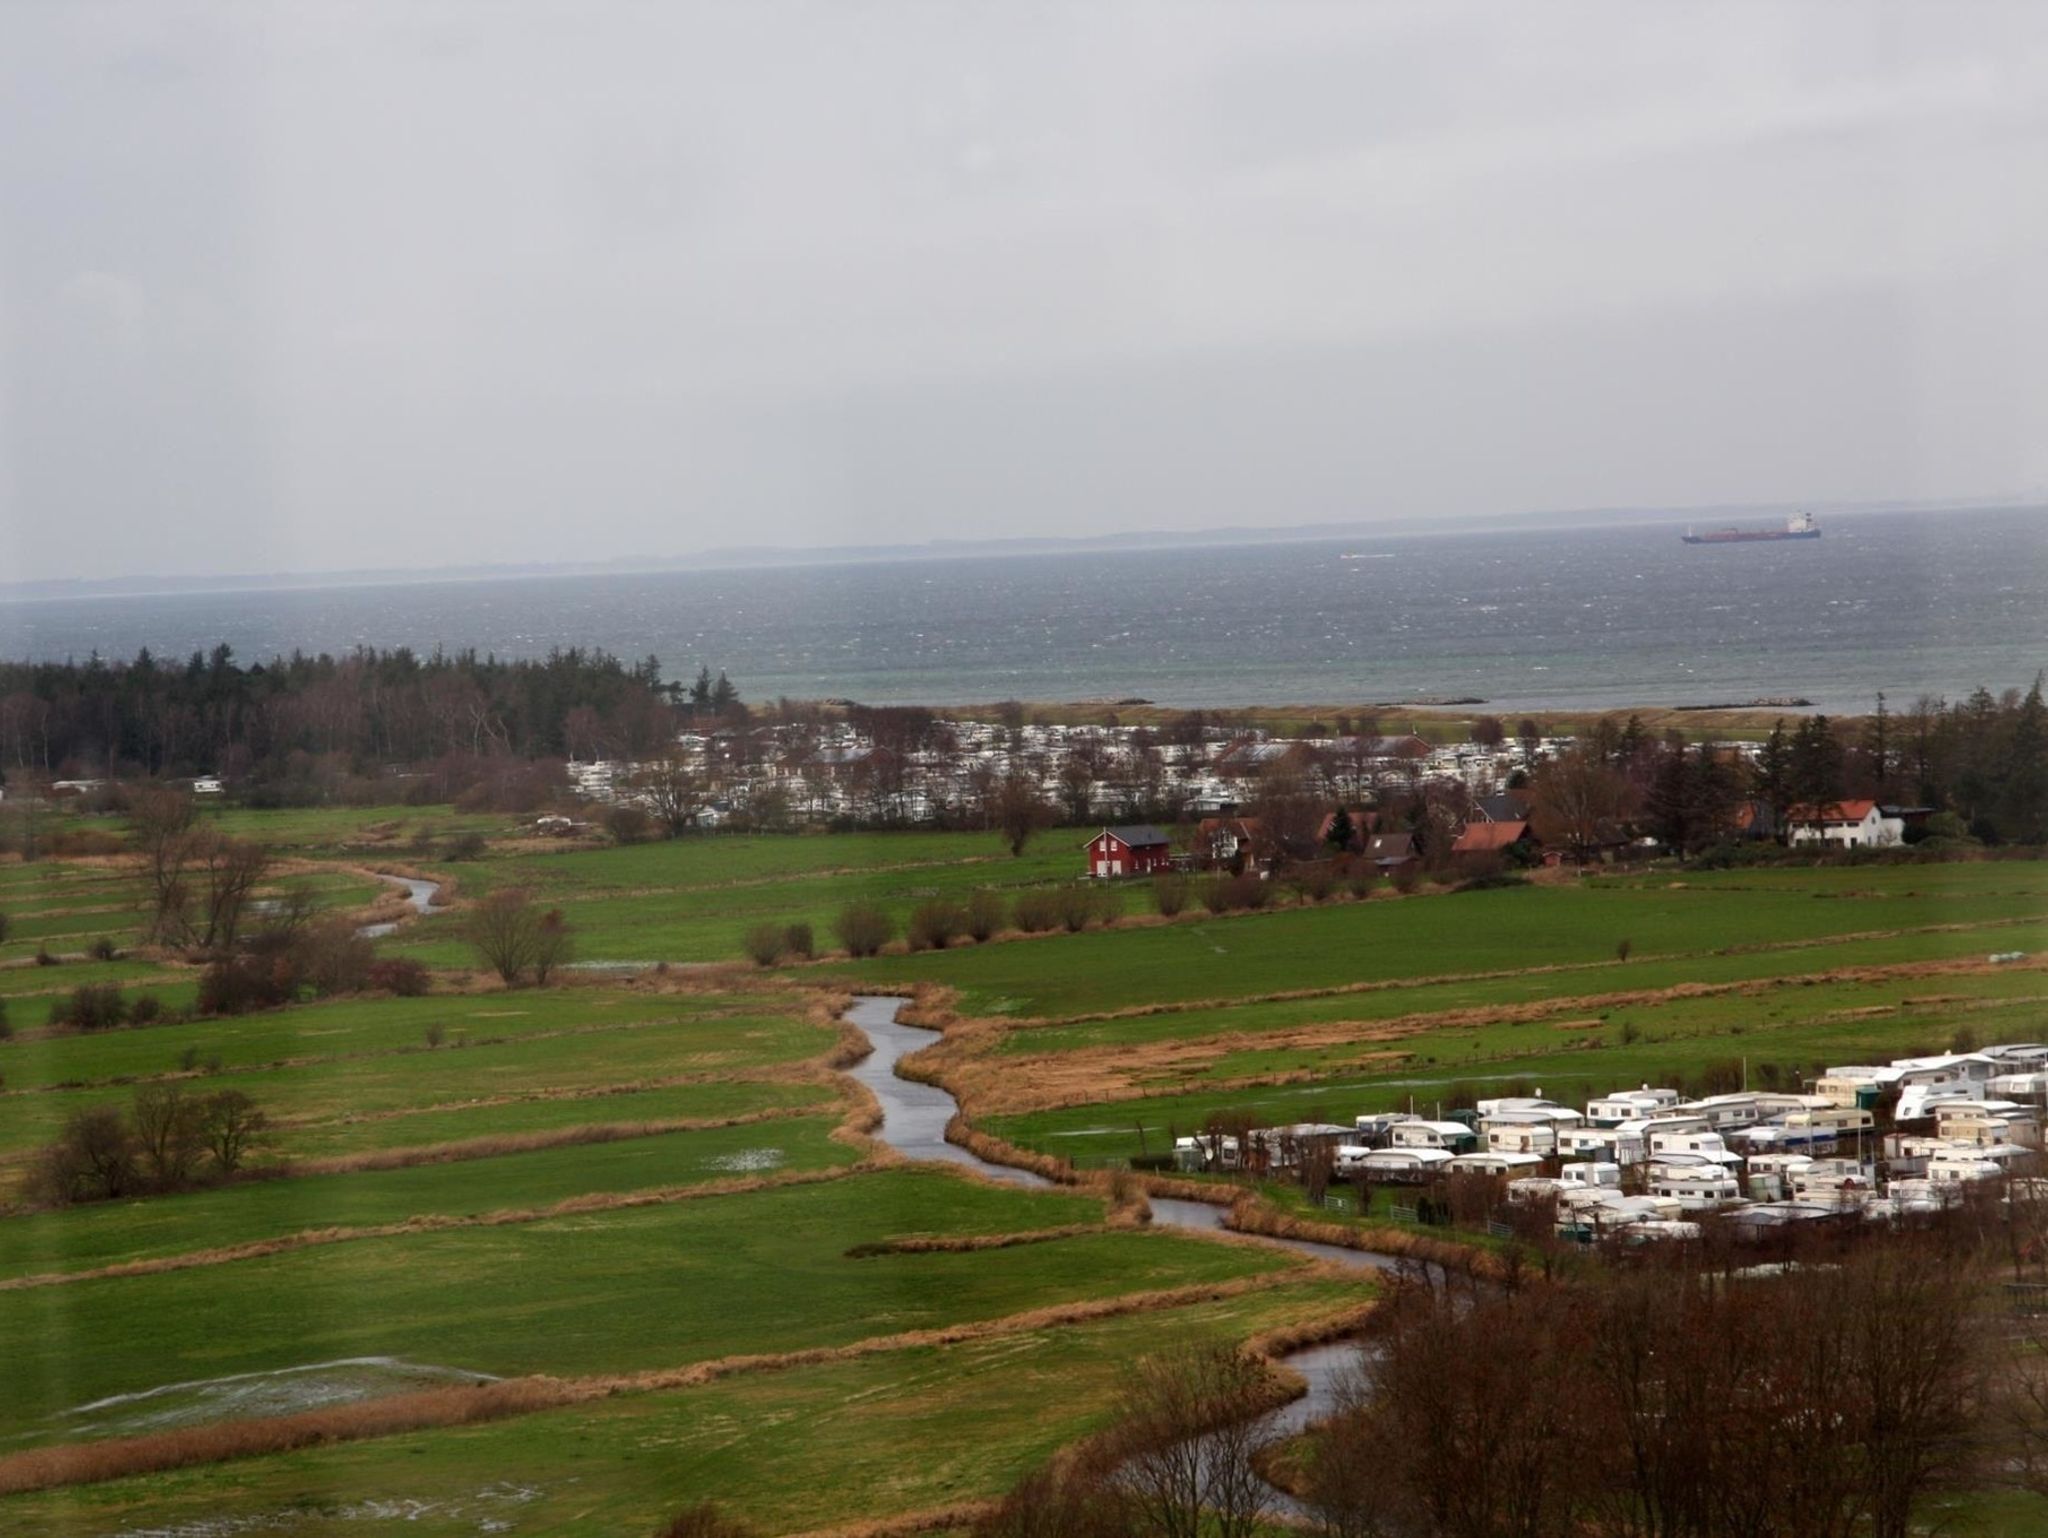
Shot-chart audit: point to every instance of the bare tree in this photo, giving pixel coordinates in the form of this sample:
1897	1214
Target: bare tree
554	944
228	871
1577	801
504	928
672	791
1189	1431
1289	816
1348	1489
231	1125
1019	811
168	1133
162	823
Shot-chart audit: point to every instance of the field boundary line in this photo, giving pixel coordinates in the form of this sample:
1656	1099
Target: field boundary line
434	1223
470	1404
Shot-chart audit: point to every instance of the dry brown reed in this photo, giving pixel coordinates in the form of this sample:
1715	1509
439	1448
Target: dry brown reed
1250	1216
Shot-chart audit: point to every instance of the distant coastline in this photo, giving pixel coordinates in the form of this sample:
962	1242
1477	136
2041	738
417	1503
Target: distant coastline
1567	620
758	557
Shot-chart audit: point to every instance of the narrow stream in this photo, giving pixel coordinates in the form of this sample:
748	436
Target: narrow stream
417	892
914	1118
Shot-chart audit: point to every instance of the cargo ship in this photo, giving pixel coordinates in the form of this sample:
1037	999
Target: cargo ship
1798	526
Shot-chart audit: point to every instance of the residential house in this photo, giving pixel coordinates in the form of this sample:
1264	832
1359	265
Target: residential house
1137	850
1845	825
1390	851
1511	840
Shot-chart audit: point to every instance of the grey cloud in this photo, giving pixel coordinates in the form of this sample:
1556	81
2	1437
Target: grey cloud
336	285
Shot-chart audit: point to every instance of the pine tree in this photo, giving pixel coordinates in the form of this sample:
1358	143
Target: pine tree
2023	802
1877	743
700	691
1774	770
723	696
1341	831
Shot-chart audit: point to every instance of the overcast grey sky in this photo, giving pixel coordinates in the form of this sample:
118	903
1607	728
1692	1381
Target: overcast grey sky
294	286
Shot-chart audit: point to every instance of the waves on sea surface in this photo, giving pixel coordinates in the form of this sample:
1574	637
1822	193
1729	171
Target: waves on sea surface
1910	604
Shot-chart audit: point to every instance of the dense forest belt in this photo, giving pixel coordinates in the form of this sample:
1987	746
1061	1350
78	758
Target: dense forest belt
429	1223
120	1457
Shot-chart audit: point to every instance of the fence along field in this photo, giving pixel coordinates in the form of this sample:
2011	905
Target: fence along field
648	1259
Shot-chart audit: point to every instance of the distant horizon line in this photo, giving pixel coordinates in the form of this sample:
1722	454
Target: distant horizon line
760	557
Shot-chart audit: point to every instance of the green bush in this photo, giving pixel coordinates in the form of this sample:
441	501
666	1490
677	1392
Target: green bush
797	940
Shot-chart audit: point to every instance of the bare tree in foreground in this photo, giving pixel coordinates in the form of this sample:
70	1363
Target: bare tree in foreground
512	936
1189	1430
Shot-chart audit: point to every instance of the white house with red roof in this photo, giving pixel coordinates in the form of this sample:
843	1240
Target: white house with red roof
1845	824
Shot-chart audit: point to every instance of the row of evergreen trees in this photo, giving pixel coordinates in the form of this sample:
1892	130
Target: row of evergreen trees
211	713
1982	761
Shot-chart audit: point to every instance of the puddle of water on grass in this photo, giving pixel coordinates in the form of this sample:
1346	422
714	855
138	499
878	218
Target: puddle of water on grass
747	1161
487	1508
256	1394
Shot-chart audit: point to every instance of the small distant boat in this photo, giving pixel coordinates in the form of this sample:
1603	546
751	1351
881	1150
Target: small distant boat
1798	526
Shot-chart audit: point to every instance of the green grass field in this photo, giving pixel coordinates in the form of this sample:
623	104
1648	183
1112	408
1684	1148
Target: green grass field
694	899
788	1451
641	1052
1505	929
600	1292
1398	998
83	1238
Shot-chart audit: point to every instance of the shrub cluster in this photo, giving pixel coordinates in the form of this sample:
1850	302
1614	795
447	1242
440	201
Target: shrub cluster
1236	894
864	928
935	924
168	1141
400	975
1169	893
99	1007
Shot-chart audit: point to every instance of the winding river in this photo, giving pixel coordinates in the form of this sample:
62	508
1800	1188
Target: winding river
420	894
914	1118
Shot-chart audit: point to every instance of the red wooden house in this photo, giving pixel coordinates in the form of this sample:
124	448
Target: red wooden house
1132	851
